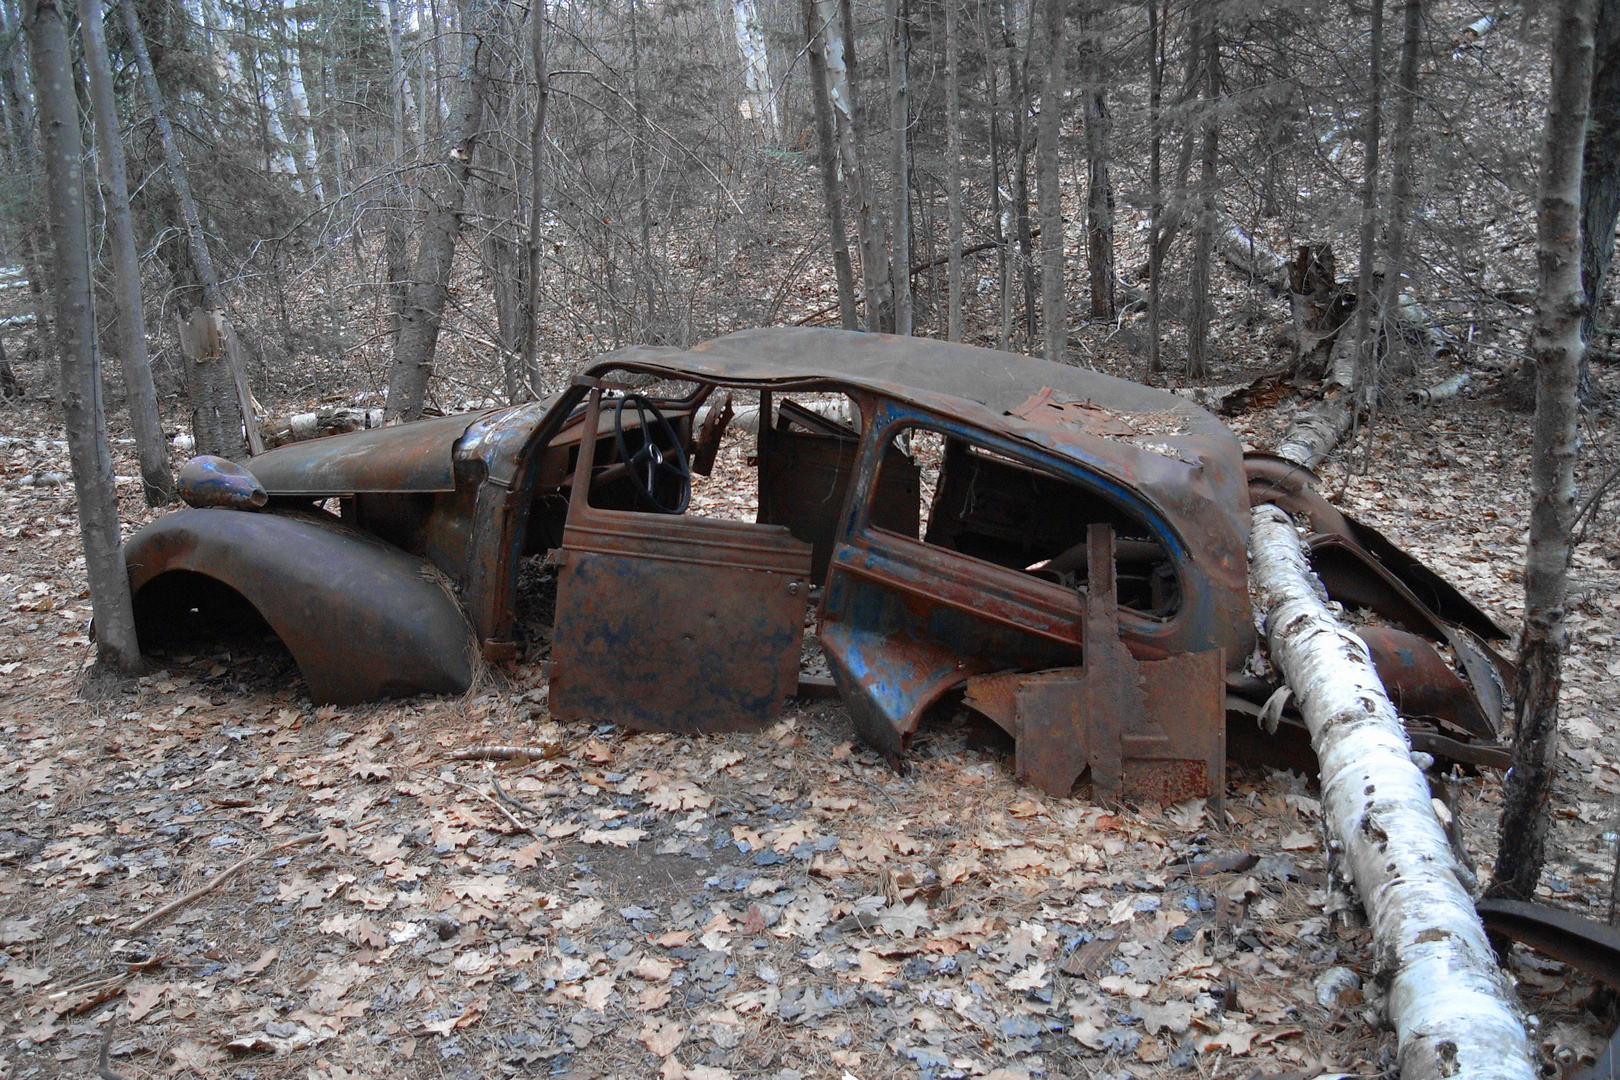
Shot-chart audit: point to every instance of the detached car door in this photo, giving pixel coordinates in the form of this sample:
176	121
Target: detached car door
670	622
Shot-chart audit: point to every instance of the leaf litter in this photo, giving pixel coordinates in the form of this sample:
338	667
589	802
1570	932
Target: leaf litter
776	905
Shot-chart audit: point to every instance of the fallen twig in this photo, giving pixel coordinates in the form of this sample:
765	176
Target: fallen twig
101	1062
507	753
217	880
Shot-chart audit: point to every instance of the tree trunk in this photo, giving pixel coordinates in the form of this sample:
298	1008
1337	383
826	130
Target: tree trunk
1204	241
1364	341
827	155
537	142
998	228
156	477
1600	171
80	386
1099	185
447	197
1400	187
646	276
756	68
869	228
1156	30
1054	319
899	38
395	251
1556	345
235	438
953	177
1021	131
1453	1012
19	109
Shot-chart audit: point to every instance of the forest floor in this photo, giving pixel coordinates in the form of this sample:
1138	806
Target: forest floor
765	905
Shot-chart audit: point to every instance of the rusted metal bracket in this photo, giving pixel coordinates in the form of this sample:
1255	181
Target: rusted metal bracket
1148	730
1593	947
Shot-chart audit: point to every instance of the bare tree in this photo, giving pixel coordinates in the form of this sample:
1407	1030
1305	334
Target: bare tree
446	196
1155	60
1099	185
1557	347
222	413
1209	48
156	477
1054	317
537	202
1400	187
869	228
1364	342
827	153
80	386
899	39
953	175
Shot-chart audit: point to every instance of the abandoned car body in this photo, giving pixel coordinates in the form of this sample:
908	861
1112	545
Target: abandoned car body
1064	549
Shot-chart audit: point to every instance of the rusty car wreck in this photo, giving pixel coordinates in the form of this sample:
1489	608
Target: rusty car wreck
1059	550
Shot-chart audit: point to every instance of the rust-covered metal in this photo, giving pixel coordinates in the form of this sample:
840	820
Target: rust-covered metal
1151	731
669	623
363	619
207	480
676	622
1591	946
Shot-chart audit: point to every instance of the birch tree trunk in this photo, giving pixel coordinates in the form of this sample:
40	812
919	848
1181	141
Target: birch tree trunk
869	228
1364	340
1452	1010
756	68
899	37
1400	185
1557	347
218	391
156	477
827	151
953	177
1054	318
537	200
80	385
447	197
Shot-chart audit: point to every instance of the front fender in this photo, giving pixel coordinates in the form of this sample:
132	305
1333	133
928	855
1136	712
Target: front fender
363	619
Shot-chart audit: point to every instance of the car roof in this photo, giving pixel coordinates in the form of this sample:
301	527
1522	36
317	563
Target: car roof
1025	397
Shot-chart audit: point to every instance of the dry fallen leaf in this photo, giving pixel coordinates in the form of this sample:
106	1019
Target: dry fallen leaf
661	1037
143	999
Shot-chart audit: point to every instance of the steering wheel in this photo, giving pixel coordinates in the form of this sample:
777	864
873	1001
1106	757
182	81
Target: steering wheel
660	452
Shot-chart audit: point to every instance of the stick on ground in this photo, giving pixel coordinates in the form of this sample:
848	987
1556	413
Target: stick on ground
217	880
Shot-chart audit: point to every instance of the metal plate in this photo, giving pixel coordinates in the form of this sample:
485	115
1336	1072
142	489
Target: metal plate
407	457
363	619
677	624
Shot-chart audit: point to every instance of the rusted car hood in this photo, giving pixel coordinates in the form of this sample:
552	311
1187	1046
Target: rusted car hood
409	457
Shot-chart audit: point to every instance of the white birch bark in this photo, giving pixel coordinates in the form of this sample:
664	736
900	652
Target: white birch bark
1311	436
756	67
300	101
1450	1006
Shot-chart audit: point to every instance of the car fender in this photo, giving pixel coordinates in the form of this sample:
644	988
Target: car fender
362	618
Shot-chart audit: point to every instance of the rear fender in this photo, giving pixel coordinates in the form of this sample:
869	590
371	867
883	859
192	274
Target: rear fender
363	619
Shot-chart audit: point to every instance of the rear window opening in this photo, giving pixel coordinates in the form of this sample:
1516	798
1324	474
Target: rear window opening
986	505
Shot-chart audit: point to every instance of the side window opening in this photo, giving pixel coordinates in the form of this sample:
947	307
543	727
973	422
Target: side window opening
988	506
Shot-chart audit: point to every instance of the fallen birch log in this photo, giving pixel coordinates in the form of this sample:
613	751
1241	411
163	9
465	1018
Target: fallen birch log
1452	1010
1312	435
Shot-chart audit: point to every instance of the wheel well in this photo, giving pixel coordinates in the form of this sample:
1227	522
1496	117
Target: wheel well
184	607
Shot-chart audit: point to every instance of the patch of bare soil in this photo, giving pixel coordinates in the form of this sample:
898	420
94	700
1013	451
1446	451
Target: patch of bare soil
780	904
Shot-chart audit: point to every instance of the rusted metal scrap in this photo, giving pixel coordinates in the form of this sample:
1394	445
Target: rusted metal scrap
1149	731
